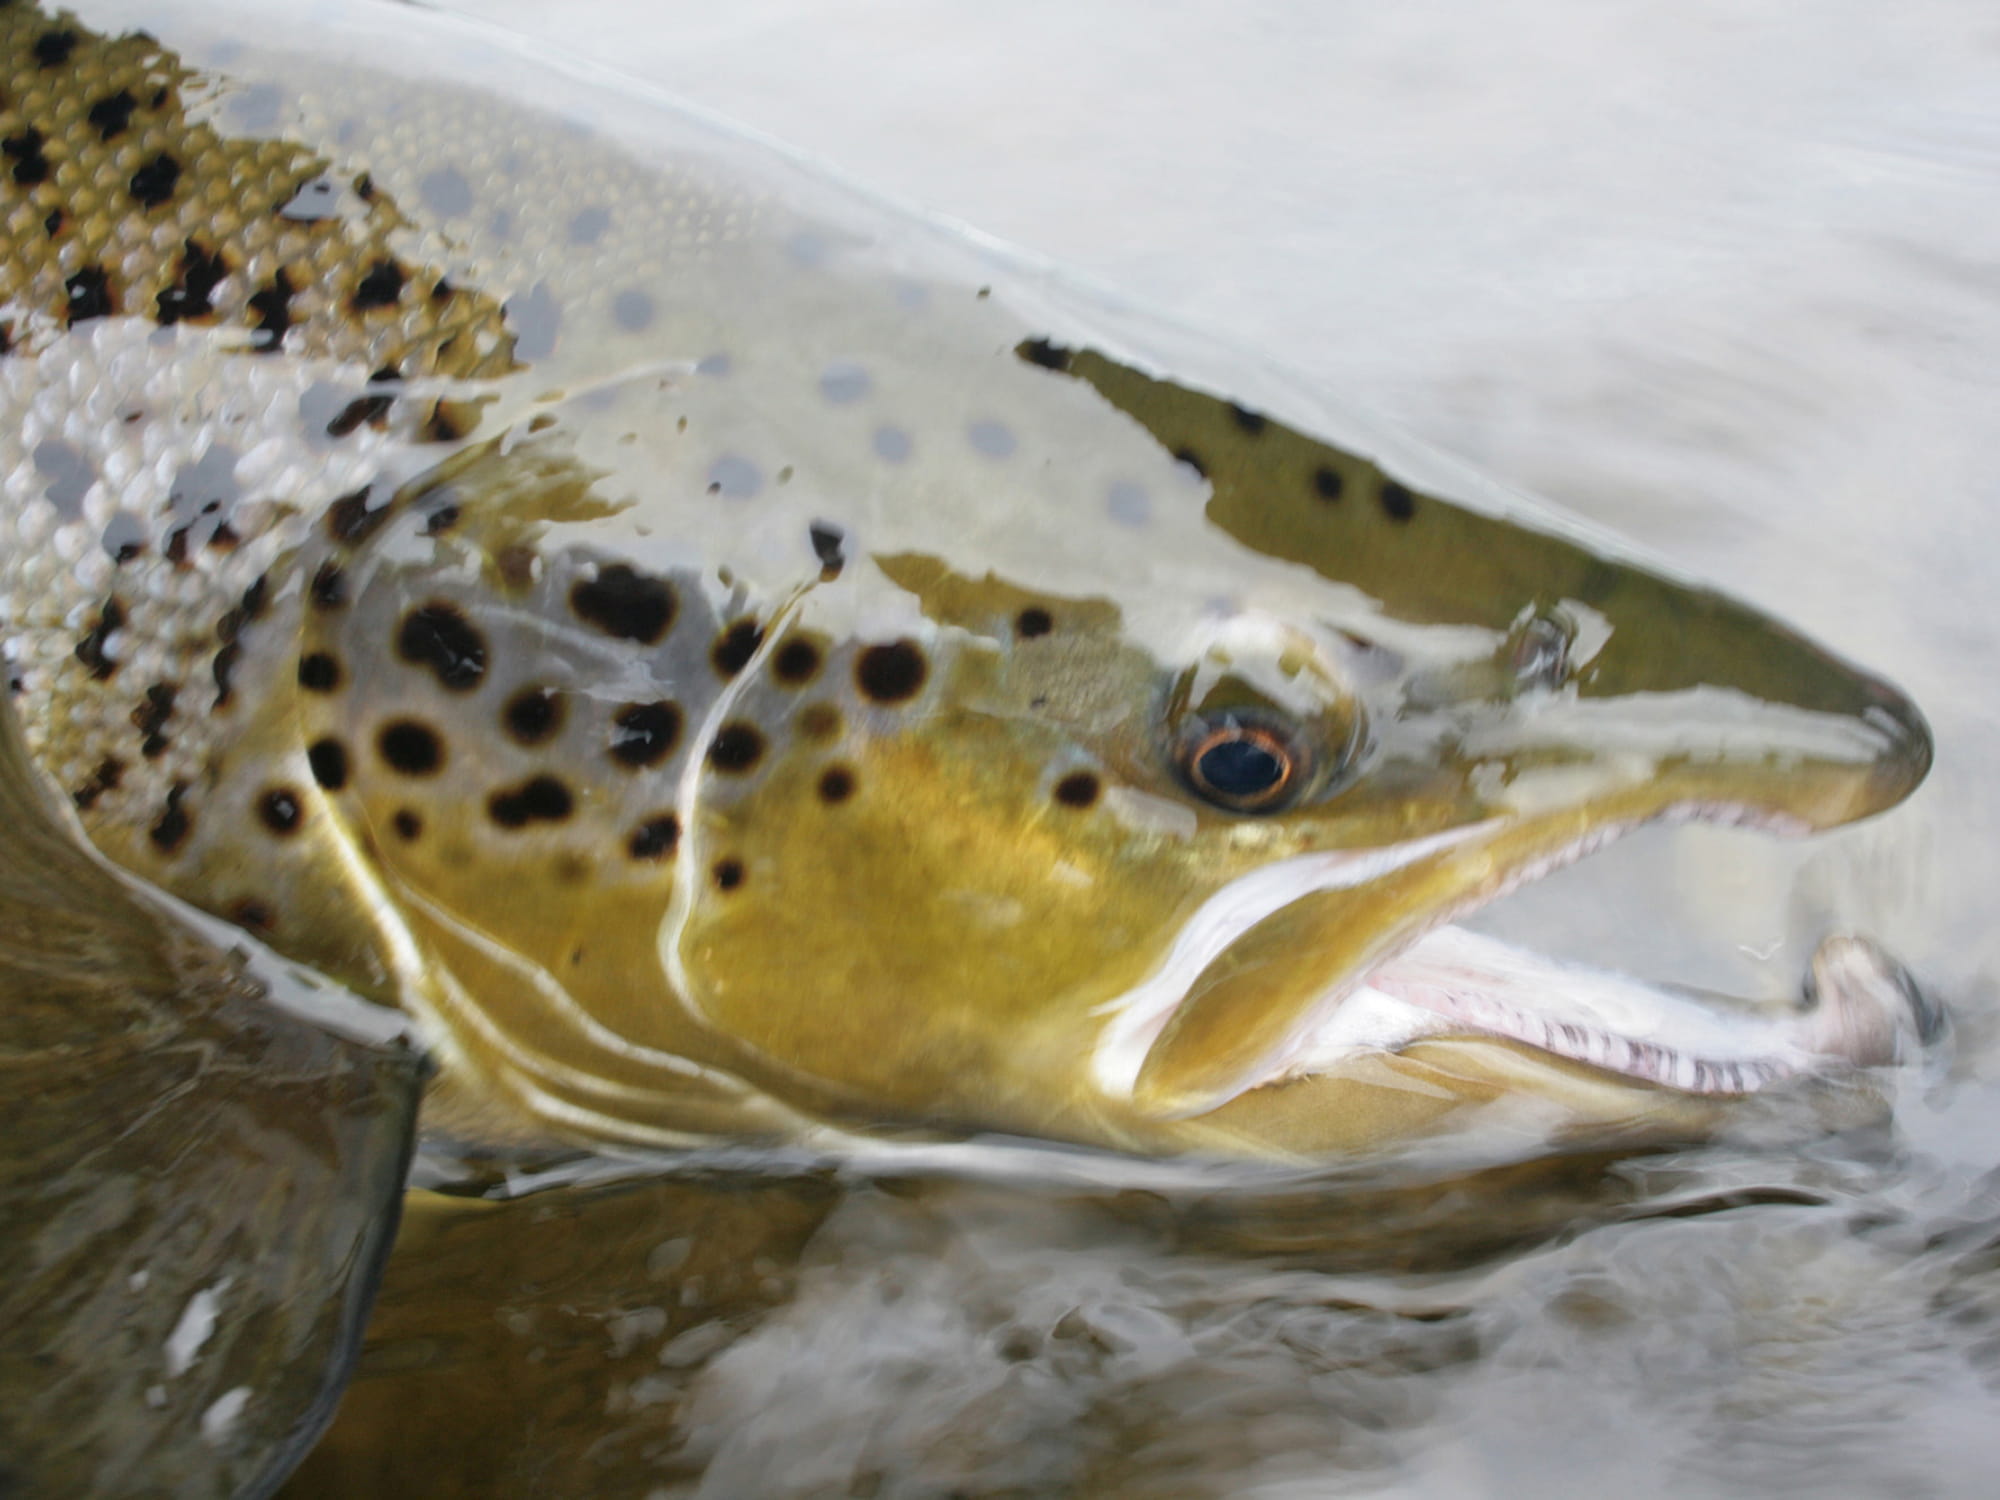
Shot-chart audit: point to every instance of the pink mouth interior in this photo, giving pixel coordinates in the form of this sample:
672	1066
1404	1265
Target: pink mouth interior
1456	983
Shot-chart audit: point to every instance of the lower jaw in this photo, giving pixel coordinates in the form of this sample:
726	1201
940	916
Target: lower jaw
1858	1010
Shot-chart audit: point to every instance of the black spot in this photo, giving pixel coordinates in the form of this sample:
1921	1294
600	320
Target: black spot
319	672
437	636
1327	483
410	748
201	273
1033	621
54	222
150	717
380	287
112	114
54	47
272	306
409	827
891	674
154	183
1041	352
448	421
328	759
629	605
30	164
254	915
588	227
329	586
110	771
644	734
533	715
728	874
796	661
655	838
224	537
836	784
224	670
90	650
364	188
280	810
828	544
256	597
351	517
733	649
1192	459
89	295
737	747
174	825
176	550
1397	503
819	721
441	520
539	799
358	413
1252	422
1078	789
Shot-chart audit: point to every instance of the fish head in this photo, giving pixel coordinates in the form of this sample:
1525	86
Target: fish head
1042	874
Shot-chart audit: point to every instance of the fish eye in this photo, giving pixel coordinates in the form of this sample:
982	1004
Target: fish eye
1244	767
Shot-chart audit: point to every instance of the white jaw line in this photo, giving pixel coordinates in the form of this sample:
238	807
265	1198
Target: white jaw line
1140	1014
1448	981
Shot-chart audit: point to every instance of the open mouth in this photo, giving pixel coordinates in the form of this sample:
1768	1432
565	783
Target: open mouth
1856	1007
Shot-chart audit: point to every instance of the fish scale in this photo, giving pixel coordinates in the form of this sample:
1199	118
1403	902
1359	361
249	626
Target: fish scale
735	661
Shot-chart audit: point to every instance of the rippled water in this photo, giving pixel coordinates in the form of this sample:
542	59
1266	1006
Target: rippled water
1723	279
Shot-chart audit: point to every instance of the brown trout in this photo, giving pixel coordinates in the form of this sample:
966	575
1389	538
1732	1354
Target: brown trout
733	663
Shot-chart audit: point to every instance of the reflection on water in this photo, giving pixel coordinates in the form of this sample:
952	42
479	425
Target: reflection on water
196	1192
1747	1323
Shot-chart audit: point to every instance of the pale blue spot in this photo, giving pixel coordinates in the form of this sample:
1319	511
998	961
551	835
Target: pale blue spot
892	444
734	477
843	382
632	309
994	439
1129	503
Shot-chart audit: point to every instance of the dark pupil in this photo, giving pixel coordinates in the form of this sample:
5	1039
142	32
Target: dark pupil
1239	768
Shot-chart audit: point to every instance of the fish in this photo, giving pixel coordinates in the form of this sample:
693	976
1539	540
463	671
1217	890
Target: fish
734	662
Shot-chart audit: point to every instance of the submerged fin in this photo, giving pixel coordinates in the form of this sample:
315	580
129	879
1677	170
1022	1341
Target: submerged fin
197	1189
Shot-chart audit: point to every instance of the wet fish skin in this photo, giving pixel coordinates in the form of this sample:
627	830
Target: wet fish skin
727	681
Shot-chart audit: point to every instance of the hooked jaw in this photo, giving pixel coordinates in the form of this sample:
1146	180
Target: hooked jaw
1301	966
